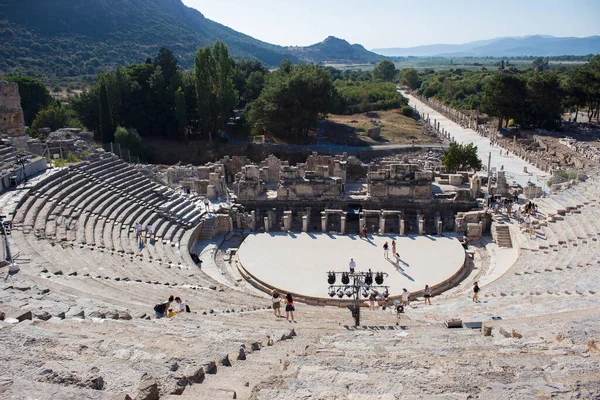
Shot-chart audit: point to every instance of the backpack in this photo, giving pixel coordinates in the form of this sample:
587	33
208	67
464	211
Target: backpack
187	308
160	308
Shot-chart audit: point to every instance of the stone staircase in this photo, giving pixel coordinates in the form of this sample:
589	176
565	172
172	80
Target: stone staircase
501	235
208	229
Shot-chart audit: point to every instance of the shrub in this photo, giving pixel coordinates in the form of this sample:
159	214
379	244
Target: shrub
407	111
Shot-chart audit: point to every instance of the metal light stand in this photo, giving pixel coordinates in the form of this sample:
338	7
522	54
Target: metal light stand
356	278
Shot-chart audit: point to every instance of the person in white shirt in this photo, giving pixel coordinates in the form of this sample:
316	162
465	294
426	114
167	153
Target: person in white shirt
138	231
405	299
149	231
276	303
181	304
352	265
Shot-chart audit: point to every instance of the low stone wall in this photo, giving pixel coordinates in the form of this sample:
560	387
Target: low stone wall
35	166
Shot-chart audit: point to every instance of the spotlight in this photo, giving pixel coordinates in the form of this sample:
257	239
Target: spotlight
340	293
331	278
331	292
365	294
345	278
348	293
379	278
369	278
386	294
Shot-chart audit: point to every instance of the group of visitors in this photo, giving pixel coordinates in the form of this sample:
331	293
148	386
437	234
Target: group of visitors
386	253
167	309
139	232
500	204
289	306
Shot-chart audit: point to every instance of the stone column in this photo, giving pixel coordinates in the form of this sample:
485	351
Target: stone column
421	220
323	222
402	226
287	220
305	223
272	218
381	223
343	224
266	224
253	220
439	227
238	221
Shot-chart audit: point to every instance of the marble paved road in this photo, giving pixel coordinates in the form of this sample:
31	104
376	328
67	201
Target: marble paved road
513	165
300	262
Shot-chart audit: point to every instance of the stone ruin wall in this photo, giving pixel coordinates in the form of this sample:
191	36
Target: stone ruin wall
431	211
11	113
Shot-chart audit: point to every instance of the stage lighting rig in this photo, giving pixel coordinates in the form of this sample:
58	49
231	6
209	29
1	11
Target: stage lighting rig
355	283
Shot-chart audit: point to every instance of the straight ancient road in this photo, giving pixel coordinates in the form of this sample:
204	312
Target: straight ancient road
513	165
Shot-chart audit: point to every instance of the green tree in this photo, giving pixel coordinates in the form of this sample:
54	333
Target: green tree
55	117
182	113
460	157
129	139
167	63
576	91
504	97
254	85
544	100
292	100
215	90
203	76
540	64
224	91
385	71
34	96
410	78
106	123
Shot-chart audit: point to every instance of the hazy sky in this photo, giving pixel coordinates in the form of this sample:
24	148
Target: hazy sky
401	23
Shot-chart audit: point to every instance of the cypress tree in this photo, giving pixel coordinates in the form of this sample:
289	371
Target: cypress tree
107	127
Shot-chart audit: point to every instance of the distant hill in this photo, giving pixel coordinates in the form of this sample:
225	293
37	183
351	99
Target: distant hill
71	38
334	50
536	45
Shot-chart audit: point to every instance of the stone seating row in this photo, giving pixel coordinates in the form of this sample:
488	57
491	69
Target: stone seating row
82	212
89	207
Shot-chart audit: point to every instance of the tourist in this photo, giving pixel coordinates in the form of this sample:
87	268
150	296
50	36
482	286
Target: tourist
352	265
289	308
476	292
183	307
363	232
393	247
518	215
149	232
138	231
276	303
405	299
427	295
162	308
372	298
397	260
531	225
386	251
207	204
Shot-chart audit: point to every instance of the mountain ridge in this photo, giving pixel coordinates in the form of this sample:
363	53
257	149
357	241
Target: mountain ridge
511	46
74	38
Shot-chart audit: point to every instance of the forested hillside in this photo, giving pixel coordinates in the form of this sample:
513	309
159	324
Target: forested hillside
60	40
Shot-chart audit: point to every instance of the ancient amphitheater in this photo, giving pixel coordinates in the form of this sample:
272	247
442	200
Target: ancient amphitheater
79	311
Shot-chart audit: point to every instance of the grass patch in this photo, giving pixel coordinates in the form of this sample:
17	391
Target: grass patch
396	128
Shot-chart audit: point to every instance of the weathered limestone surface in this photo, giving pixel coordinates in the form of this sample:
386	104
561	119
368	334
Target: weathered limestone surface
11	114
